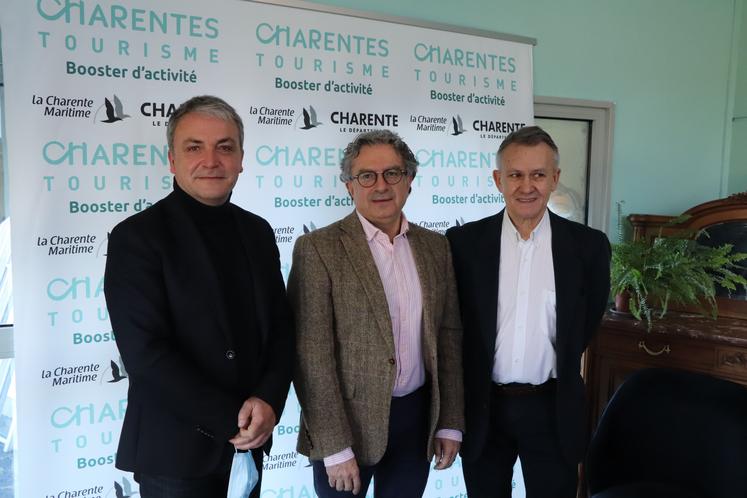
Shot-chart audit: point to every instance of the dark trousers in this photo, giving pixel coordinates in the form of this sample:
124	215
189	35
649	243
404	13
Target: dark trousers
211	486
524	425
403	470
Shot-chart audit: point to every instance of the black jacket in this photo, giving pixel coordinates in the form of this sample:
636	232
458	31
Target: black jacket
581	257
170	322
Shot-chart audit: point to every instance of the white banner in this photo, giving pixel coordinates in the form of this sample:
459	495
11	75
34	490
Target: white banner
89	86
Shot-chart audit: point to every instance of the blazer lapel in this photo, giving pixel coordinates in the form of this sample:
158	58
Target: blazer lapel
423	263
567	267
488	250
256	267
354	241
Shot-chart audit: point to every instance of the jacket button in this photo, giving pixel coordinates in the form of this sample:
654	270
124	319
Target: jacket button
230	354
391	361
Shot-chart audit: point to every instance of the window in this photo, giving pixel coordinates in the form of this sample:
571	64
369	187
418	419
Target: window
582	130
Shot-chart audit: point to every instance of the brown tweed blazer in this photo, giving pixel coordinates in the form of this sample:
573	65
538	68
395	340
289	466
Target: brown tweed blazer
345	374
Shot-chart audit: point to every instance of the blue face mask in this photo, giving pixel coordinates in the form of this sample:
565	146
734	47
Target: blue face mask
244	475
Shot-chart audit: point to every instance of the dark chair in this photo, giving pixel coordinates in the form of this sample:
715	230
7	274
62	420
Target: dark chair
669	433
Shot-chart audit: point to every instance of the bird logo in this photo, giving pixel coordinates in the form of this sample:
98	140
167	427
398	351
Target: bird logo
114	111
117	372
309	119
457	126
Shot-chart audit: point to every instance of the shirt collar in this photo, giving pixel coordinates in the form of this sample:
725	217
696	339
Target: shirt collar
537	234
371	231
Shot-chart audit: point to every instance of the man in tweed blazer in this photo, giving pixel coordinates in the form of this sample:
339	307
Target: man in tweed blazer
379	373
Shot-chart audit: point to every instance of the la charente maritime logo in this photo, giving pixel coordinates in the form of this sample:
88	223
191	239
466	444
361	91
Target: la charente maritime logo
310	228
309	119
456	124
114	111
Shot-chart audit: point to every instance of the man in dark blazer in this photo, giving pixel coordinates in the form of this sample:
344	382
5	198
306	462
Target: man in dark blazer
379	374
199	312
532	290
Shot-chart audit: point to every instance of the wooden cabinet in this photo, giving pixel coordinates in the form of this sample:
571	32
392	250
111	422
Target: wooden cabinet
682	340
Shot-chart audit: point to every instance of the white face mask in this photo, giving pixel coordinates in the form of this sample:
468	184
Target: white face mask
244	475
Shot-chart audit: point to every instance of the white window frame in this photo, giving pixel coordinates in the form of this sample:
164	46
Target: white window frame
601	115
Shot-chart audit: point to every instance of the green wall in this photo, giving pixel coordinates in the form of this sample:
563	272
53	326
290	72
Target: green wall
738	172
666	65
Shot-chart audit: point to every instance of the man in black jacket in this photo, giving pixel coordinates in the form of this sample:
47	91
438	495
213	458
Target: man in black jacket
532	290
199	312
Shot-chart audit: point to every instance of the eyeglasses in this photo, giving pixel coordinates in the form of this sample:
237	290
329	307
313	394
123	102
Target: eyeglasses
391	176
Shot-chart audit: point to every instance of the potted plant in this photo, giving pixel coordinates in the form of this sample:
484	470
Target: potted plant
677	269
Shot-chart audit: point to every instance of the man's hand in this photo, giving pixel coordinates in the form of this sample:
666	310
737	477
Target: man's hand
345	476
445	452
256	421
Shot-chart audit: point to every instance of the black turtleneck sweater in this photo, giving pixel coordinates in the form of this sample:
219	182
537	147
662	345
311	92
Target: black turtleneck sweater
220	234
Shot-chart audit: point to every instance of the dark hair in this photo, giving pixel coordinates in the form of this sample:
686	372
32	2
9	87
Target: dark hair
205	104
376	137
529	136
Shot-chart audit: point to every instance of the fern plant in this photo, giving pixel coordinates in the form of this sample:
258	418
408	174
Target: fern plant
673	270
630	276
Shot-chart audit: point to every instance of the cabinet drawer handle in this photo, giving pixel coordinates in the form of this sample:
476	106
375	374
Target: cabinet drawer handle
665	349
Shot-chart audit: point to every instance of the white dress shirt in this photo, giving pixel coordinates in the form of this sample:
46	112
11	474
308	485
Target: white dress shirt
525	340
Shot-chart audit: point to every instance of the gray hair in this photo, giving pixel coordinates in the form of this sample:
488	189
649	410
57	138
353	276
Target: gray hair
377	137
529	136
209	105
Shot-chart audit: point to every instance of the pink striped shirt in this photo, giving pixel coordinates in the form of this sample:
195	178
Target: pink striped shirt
399	276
